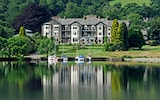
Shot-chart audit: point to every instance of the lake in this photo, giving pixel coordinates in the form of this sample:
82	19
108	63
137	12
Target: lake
86	81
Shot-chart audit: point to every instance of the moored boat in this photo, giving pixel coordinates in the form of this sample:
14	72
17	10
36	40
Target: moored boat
80	59
52	59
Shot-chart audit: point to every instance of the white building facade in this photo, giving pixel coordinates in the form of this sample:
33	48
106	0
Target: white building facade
90	29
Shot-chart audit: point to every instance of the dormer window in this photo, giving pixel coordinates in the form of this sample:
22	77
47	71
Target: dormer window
74	27
93	28
56	27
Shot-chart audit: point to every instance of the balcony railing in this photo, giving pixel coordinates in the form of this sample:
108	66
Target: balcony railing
66	30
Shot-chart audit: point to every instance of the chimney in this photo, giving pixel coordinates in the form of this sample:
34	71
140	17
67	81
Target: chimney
84	17
99	17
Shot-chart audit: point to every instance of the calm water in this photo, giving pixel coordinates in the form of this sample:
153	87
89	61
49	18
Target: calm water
95	81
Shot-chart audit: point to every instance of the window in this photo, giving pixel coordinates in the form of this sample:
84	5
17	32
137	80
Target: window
75	39
56	27
100	33
100	28
85	27
74	27
47	27
75	33
91	40
109	33
55	33
93	28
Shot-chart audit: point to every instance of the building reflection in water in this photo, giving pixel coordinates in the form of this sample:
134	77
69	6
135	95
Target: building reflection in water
75	77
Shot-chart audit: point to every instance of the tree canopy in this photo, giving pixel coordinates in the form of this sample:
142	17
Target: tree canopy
22	31
19	45
135	38
46	45
154	30
32	18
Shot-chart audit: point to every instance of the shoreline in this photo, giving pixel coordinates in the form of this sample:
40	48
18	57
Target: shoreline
151	60
109	59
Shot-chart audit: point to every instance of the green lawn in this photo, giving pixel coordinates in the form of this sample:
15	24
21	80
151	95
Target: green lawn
124	2
96	51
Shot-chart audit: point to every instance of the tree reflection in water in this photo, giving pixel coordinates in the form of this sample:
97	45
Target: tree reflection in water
96	81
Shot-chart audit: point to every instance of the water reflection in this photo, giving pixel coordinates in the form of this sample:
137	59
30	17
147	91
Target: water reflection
71	81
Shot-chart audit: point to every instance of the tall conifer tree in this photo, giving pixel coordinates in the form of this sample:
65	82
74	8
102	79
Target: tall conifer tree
114	31
22	31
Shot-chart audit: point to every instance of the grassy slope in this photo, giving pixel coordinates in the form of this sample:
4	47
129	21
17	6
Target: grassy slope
124	2
96	51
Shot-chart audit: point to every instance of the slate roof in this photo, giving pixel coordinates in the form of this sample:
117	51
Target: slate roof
87	20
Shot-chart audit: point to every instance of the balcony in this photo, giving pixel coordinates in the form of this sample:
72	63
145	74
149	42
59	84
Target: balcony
66	30
64	35
89	30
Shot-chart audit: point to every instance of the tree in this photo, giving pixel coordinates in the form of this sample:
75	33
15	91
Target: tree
19	45
114	30
106	44
135	38
154	30
120	37
136	21
14	8
6	31
124	35
46	45
32	17
37	37
3	43
71	11
111	11
22	31
156	1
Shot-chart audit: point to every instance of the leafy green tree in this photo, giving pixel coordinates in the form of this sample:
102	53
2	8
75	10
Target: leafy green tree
19	45
111	11
3	43
156	1
146	11
131	8
37	37
6	31
135	38
71	11
46	45
136	21
14	8
154	30
22	31
106	44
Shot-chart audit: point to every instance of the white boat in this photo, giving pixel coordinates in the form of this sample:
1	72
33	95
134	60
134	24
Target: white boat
64	58
80	59
52	59
89	58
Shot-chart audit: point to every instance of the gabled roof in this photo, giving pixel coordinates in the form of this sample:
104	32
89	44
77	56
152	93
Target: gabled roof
87	20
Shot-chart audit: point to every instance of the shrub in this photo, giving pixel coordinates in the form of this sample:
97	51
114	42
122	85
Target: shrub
153	43
111	47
